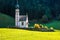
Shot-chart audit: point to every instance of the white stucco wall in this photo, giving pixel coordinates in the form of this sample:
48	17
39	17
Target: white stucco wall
20	24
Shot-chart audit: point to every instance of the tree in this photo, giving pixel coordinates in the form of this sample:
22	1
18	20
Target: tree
44	19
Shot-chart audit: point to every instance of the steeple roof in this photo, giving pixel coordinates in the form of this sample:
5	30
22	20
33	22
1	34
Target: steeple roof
17	5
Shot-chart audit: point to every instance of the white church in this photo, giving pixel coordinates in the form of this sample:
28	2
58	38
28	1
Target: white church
21	21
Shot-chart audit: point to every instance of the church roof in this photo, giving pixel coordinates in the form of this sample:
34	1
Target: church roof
22	18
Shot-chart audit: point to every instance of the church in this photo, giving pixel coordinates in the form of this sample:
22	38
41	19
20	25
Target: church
21	21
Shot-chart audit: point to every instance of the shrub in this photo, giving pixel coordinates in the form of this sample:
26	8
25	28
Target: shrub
41	26
51	28
36	26
46	27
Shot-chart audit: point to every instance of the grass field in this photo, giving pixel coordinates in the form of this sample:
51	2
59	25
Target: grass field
6	20
19	34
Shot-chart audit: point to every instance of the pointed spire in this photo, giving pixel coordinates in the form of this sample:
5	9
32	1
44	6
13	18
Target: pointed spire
17	5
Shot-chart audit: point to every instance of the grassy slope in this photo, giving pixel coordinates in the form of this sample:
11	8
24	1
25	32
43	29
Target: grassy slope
6	20
19	34
55	24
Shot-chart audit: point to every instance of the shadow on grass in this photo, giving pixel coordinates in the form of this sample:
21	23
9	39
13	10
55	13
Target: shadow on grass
34	29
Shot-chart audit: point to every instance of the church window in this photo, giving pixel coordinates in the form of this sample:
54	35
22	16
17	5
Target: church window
22	23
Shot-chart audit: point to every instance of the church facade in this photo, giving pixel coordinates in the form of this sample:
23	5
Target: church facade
21	21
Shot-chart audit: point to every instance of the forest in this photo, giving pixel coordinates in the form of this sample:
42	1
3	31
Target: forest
36	9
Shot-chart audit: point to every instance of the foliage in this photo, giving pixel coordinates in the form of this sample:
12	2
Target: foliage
46	27
51	28
44	19
36	26
35	8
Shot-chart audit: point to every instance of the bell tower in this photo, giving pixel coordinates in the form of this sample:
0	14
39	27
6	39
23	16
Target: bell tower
17	14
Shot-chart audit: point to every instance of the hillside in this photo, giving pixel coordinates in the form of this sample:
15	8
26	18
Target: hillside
55	24
6	20
19	34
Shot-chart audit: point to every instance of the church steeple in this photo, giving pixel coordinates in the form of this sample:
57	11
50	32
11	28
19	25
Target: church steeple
20	23
17	5
17	13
